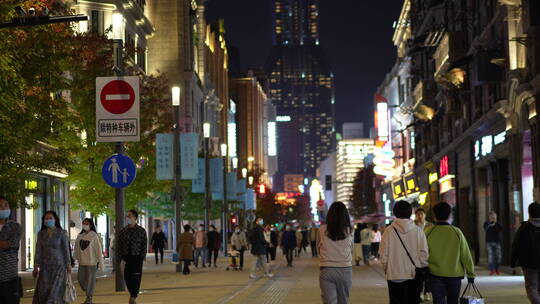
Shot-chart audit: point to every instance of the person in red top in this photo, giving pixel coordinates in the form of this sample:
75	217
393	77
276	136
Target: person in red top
201	241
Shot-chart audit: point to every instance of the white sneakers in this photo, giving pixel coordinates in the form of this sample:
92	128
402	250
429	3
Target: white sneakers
267	275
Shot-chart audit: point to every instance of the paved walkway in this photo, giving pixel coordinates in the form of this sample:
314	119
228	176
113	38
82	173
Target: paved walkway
289	285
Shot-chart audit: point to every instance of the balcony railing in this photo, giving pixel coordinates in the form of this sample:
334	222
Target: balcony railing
451	48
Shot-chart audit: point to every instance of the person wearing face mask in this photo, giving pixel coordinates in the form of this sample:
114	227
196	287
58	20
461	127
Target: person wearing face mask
288	244
201	243
89	253
239	243
258	249
131	249
158	242
52	262
214	243
10	236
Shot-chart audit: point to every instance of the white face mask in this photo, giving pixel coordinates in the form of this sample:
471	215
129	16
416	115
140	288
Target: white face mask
86	227
237	230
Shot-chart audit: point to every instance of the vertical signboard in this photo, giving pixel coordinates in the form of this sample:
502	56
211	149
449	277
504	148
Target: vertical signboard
164	156
250	199
216	177
189	149
231	186
197	185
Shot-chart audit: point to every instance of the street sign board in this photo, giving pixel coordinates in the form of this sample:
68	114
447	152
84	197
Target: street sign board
118	171
117	109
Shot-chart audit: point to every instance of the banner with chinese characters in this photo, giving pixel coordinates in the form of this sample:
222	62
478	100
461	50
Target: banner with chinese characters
197	185
241	186
231	186
164	156
250	200
189	150
216	178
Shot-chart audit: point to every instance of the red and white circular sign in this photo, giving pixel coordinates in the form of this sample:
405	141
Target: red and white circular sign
320	203
117	97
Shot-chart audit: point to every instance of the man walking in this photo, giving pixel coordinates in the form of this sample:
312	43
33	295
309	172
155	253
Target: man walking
10	236
258	249
239	242
201	242
420	219
449	257
313	233
493	243
132	248
526	252
288	243
158	242
403	249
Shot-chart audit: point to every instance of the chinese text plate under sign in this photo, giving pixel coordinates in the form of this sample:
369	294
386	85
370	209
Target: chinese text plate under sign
117	109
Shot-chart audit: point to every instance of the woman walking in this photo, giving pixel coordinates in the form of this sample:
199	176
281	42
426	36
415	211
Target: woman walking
89	254
214	243
334	244
52	263
375	241
357	244
288	244
185	248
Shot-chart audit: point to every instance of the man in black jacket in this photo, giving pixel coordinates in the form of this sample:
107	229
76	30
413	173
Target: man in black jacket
258	249
526	252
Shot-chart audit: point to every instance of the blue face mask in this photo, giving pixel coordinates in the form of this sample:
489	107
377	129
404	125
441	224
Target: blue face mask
4	214
50	223
130	221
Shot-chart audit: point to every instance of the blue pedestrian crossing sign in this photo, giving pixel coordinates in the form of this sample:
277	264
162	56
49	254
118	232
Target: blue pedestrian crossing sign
118	171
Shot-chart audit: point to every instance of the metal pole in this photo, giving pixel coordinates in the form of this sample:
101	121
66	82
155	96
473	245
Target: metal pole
224	223
208	195
177	179
119	193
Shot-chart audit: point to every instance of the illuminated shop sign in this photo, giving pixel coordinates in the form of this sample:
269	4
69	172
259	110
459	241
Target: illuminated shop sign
485	145
422	199
446	183
384	162
272	138
283	118
443	166
399	189
382	121
410	184
433	177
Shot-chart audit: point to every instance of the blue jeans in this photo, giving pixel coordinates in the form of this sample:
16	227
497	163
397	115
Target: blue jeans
200	252
366	253
445	290
494	255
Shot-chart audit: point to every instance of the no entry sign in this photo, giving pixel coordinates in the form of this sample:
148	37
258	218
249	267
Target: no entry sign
117	109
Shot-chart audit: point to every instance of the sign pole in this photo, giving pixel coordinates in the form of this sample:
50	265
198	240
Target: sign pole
119	192
208	196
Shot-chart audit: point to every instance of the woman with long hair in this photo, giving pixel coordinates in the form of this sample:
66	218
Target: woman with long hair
334	243
89	253
52	263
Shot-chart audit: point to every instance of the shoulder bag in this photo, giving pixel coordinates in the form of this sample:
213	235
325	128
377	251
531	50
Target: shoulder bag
420	273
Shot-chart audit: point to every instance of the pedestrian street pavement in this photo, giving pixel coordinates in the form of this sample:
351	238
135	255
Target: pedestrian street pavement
289	285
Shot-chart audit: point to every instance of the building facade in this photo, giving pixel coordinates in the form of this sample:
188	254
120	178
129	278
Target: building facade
301	87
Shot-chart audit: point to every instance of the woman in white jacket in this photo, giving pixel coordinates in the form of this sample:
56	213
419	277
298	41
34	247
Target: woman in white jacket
399	238
89	254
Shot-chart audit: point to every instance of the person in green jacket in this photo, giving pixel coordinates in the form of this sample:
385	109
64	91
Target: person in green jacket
449	257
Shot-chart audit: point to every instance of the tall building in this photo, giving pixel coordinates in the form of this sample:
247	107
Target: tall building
350	157
301	87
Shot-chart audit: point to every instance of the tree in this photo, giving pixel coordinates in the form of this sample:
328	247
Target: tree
33	61
267	209
363	198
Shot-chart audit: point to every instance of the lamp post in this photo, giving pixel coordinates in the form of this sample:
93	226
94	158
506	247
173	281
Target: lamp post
224	211
244	211
177	166
208	193
118	25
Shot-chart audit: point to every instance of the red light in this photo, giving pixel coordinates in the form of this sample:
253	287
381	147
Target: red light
262	189
443	166
233	220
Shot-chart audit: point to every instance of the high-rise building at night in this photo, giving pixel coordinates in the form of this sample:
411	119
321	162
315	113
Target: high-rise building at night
302	89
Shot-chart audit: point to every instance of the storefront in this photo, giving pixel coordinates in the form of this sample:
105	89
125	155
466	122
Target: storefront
43	192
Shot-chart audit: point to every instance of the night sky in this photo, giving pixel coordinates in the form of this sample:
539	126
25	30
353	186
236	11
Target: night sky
356	35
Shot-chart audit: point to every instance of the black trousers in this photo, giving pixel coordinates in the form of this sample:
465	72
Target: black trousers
241	258
186	270
10	291
407	292
215	252
133	274
289	254
158	251
314	248
270	254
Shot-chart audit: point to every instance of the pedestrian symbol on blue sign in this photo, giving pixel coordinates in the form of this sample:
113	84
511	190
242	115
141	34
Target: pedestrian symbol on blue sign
118	171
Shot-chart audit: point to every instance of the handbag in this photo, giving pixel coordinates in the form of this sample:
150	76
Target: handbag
70	295
420	273
471	295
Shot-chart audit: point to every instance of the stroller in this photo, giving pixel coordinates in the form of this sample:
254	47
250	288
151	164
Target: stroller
234	254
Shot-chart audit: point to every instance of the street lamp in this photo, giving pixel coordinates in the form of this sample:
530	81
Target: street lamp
118	24
224	220
250	180
235	163
208	194
175	91
244	172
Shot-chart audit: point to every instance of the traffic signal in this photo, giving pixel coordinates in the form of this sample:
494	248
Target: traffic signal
234	221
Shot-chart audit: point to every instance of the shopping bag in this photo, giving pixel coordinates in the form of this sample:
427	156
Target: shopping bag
471	295
70	294
175	258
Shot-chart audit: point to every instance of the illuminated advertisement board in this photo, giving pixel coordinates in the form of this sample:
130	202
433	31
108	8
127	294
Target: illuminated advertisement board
398	188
